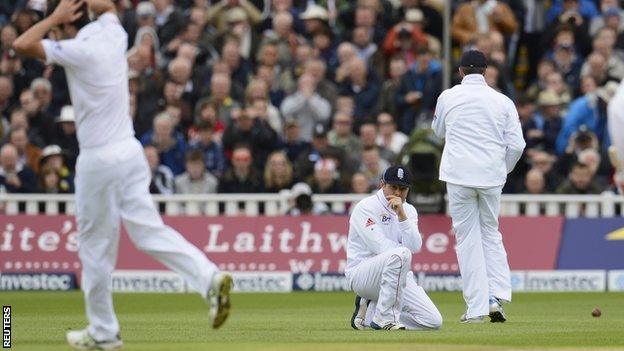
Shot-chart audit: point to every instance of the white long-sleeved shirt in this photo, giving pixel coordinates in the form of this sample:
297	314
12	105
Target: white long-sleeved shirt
483	134
374	228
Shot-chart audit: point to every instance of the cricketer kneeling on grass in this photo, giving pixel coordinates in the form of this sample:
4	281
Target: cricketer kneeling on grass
383	234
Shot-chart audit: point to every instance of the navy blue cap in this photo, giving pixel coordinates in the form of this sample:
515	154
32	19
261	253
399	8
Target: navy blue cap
397	175
473	58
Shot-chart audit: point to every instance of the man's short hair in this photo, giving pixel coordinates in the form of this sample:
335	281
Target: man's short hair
194	155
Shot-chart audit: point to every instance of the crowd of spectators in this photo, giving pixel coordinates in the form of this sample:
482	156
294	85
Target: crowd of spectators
246	96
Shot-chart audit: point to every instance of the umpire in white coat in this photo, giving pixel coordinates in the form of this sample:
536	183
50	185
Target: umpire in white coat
383	234
483	144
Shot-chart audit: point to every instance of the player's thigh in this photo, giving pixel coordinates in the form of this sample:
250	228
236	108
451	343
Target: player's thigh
489	207
366	277
97	197
138	212
462	200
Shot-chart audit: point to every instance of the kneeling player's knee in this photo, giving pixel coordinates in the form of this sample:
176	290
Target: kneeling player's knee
435	320
400	256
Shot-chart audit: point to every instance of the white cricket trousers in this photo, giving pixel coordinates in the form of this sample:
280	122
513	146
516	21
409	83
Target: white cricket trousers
480	251
388	281
112	184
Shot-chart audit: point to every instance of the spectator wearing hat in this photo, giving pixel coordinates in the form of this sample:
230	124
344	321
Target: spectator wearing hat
242	177
195	180
52	157
66	135
433	20
145	14
306	106
14	177
407	36
482	16
226	12
589	110
240	29
301	202
203	141
542	129
314	19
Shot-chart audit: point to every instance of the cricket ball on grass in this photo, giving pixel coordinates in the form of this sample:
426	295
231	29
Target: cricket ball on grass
596	312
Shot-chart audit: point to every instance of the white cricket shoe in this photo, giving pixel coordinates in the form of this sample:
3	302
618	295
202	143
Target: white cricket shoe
359	315
497	315
81	340
219	298
473	320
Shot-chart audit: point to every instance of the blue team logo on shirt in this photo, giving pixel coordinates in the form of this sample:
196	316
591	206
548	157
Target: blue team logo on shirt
385	218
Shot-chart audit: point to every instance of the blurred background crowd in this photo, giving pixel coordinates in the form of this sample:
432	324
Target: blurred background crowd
251	96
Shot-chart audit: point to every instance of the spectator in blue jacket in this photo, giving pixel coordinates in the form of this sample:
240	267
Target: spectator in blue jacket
590	111
418	91
363	85
214	158
169	143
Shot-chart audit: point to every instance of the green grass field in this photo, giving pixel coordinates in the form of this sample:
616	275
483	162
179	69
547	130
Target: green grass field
319	321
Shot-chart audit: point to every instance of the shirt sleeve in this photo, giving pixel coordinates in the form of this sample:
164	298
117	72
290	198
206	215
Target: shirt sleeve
513	138
438	125
410	235
368	229
66	53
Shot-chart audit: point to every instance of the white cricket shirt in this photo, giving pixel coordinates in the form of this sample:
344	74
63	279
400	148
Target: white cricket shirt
97	75
483	134
374	228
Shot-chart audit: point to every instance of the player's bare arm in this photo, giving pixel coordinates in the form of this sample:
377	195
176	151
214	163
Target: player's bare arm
29	43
